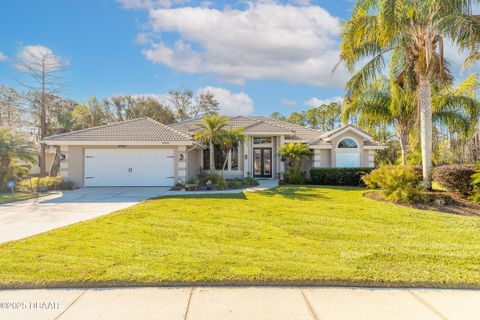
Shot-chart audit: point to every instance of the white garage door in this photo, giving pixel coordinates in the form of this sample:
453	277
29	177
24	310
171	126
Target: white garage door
129	167
348	159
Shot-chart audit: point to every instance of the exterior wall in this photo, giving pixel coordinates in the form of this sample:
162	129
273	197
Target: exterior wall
72	168
194	163
364	154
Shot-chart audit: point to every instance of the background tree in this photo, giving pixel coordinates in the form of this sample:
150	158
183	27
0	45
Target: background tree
205	105
278	116
13	147
43	68
181	103
12	110
415	30
149	107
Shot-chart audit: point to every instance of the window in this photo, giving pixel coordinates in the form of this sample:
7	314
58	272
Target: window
218	154
262	140
347	144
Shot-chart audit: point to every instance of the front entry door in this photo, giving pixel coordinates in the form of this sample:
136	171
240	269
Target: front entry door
262	162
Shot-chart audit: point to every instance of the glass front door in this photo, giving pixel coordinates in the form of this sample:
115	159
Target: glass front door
262	162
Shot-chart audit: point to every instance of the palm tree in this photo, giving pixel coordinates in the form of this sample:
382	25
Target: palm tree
295	153
394	103
13	147
384	102
229	138
413	32
211	131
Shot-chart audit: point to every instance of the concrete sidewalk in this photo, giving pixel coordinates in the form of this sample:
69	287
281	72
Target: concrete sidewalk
240	303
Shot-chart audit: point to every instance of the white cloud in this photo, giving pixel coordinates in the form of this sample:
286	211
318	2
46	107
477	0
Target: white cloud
35	56
264	41
231	104
3	57
142	38
316	102
288	102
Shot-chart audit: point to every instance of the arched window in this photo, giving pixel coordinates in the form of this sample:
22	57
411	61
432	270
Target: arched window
347	143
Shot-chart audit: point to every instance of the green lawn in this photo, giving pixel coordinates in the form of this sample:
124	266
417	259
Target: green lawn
8	197
291	234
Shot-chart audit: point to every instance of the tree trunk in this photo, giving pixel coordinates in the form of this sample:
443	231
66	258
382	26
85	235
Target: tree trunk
404	137
43	126
426	130
55	167
4	165
212	160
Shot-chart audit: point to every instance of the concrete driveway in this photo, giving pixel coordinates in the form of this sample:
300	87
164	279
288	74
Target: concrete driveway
25	218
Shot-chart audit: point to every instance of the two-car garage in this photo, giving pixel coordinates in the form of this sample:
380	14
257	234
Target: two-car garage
129	167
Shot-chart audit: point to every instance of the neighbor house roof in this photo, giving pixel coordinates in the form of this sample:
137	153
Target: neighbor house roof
142	129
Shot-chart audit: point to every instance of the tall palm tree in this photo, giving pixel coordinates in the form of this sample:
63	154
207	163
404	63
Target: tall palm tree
414	30
211	131
13	147
229	138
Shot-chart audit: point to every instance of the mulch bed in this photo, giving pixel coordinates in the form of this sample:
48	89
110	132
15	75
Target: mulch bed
457	204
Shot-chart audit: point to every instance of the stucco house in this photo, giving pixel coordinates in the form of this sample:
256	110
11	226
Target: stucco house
144	152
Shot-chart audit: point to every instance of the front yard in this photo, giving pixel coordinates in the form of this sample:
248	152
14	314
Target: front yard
9	197
323	235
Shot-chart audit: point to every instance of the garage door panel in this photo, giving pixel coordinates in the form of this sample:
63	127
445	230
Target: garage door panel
348	159
129	167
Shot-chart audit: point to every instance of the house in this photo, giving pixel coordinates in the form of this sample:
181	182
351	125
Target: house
143	152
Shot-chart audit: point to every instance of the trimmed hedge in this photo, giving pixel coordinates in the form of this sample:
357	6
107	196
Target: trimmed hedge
338	176
455	177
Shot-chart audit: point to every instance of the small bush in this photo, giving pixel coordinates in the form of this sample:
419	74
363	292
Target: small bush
294	176
338	176
191	180
51	183
455	177
215	178
235	184
475	183
250	182
398	183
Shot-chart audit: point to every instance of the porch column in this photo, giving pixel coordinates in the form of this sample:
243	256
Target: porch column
64	163
317	158
182	164
371	158
281	163
246	156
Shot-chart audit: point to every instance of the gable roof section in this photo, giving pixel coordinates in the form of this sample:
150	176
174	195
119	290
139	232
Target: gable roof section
137	130
329	135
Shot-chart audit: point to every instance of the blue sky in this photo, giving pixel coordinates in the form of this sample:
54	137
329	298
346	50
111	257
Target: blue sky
256	56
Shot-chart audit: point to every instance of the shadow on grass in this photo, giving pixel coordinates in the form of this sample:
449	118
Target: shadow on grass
236	196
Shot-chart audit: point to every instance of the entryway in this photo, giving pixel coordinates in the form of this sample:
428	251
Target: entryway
262	162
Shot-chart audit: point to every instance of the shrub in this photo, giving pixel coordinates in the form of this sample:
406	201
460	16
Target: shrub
294	176
236	184
51	183
215	178
191	180
338	176
475	183
455	177
398	183
250	182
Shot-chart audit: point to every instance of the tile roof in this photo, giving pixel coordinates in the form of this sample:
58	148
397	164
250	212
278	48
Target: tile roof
142	129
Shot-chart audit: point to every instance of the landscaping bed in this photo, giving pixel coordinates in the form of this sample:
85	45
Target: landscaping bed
288	235
449	202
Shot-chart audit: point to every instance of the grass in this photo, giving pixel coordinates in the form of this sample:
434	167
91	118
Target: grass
9	197
323	235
